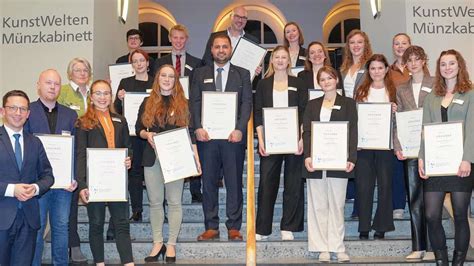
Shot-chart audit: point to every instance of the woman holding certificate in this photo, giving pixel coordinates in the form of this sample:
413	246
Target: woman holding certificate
375	165
166	109
280	89
327	189
294	40
452	99
410	97
101	127
140	83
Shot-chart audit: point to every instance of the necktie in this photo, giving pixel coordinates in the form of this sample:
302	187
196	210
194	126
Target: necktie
219	79
178	64
18	150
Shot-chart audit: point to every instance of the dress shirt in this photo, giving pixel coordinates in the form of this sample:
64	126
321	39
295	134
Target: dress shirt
10	191
235	40
76	88
182	59
225	74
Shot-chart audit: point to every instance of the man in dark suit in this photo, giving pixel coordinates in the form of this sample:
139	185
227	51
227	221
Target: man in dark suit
25	174
221	75
185	64
134	42
49	117
238	20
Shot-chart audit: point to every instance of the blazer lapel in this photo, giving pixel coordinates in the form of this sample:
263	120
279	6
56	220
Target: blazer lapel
335	112
8	145
410	96
231	80
117	127
424	83
319	105
268	90
27	150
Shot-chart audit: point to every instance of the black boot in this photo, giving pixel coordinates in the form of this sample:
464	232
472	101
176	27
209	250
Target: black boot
441	257
458	258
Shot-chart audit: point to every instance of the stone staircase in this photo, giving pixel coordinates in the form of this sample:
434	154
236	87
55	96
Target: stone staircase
272	251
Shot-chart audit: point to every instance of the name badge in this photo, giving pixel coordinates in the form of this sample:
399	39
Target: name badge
292	89
148	90
208	81
115	119
188	67
66	133
428	90
362	71
336	107
74	107
458	101
301	57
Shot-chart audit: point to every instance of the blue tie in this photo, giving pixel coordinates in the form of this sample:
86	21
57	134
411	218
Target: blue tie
18	150
219	79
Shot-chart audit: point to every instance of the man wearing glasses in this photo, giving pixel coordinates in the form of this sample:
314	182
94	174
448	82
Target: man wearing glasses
135	41
25	173
238	20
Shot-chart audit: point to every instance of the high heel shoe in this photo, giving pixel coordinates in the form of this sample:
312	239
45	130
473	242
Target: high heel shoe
155	258
170	259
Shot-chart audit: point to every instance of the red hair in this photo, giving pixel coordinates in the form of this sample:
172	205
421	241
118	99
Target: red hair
90	120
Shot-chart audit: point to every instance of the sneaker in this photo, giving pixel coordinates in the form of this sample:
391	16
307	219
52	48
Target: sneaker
260	237
429	256
415	255
287	235
342	257
398	214
324	257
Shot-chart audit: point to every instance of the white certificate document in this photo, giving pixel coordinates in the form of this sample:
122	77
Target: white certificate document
248	55
185	84
280	127
443	148
374	126
106	174
315	93
117	72
131	105
175	152
296	70
329	145
60	152
219	113
409	131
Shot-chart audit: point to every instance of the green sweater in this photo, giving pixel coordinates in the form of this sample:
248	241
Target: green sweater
72	99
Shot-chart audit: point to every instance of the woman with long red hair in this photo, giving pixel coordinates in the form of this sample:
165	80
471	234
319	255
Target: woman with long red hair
165	109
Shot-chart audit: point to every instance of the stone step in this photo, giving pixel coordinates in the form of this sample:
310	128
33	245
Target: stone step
194	253
189	231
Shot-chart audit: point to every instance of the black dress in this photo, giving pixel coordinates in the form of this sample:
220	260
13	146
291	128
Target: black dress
448	183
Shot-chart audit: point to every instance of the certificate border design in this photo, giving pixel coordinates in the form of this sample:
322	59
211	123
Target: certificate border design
313	123
256	46
225	93
273	109
146	94
390	132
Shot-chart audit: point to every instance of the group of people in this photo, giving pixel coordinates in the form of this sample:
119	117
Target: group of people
90	114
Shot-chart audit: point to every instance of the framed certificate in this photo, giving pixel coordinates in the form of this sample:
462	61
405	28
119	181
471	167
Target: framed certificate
330	145
106	174
219	113
315	93
296	70
131	105
443	148
60	152
409	131
248	55
185	84
374	126
117	72
175	152
280	129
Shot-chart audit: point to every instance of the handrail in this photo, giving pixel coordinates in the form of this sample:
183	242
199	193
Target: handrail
251	249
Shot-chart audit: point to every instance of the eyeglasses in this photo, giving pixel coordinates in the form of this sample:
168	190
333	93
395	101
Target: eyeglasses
102	93
77	70
240	17
136	38
15	109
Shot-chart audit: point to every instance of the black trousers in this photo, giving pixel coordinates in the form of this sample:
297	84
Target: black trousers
375	166
135	175
416	206
293	194
74	240
119	215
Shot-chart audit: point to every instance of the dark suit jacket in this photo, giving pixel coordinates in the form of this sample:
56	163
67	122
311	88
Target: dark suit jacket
35	169
207	57
264	97
95	138
308	77
348	112
406	102
38	122
237	81
151	65
301	57
191	61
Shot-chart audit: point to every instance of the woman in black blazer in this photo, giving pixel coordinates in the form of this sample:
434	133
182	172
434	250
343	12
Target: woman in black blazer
279	89
100	127
294	41
326	190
